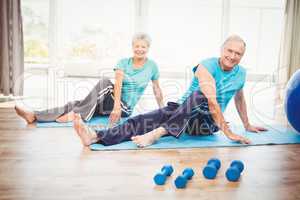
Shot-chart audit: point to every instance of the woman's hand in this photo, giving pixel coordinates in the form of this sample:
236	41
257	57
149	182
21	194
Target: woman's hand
115	116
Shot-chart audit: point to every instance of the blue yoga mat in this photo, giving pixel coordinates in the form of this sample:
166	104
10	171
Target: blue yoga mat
275	135
95	121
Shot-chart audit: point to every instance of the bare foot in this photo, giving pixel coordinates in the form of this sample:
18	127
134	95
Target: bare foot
66	117
27	115
148	138
87	136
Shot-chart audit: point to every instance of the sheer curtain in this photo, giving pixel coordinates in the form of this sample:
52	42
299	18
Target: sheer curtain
11	48
289	58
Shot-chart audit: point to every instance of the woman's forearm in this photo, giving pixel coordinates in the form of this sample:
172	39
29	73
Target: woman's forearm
118	88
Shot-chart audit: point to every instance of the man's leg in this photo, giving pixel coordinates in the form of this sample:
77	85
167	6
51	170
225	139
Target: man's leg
195	106
169	120
194	109
137	125
201	124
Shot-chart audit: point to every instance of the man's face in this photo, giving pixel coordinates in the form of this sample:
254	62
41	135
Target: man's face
231	54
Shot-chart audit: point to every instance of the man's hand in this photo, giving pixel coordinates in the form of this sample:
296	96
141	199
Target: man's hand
255	129
239	138
115	116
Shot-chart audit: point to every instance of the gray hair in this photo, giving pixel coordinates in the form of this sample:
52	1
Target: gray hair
142	36
235	38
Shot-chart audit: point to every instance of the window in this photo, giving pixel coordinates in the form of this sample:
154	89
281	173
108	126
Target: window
92	35
185	32
254	21
35	27
95	33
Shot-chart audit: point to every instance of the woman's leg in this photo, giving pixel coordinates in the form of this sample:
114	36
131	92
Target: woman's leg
52	114
85	107
27	115
45	115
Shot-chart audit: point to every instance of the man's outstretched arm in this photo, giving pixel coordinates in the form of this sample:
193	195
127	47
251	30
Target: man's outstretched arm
208	88
240	104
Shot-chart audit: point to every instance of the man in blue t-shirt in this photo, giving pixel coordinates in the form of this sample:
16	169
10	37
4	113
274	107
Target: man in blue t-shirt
199	111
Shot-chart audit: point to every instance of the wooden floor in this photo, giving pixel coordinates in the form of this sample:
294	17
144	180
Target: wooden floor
40	163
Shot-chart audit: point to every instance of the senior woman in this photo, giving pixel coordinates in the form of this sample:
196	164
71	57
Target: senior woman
132	76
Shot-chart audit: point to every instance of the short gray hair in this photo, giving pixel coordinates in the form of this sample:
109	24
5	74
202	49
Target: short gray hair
235	38
142	36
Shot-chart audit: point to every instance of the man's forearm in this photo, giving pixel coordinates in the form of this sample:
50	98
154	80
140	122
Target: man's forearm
218	117
242	110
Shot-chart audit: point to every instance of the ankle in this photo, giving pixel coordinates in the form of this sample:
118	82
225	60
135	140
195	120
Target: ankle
93	135
159	132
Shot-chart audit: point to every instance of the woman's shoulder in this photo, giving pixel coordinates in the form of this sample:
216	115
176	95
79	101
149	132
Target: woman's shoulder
151	62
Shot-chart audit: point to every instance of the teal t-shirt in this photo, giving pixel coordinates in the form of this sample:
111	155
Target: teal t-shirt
135	80
227	82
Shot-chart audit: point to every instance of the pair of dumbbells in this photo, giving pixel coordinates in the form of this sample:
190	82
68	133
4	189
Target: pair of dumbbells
233	173
180	182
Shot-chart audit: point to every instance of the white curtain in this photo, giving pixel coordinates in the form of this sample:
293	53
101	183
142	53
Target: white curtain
289	57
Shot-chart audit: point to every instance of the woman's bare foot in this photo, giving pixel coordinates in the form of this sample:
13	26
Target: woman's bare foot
149	138
87	136
66	117
27	115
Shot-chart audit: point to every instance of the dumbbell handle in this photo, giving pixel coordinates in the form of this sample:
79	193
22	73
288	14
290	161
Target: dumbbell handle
164	171
185	175
236	167
212	164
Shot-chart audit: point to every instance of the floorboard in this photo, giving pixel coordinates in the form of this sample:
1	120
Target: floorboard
50	163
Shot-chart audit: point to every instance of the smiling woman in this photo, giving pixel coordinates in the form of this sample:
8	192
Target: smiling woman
132	76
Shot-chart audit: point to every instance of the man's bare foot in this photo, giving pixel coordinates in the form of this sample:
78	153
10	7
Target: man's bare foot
66	117
27	115
148	138
87	136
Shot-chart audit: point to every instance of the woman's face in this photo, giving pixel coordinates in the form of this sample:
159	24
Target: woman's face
140	49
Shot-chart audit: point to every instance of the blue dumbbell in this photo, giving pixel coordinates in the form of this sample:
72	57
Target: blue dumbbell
233	173
187	174
211	169
161	177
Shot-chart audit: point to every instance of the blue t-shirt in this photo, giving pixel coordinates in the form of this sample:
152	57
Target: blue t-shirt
227	82
136	80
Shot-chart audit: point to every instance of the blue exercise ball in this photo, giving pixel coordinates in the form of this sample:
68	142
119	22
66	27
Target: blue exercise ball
292	101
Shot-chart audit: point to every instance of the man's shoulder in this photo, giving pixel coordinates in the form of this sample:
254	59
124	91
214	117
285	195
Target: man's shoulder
242	69
211	64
